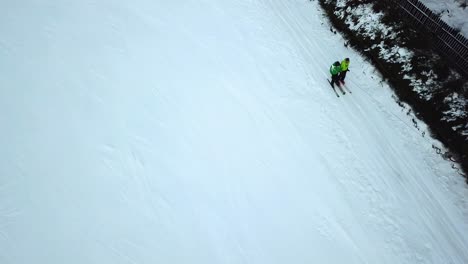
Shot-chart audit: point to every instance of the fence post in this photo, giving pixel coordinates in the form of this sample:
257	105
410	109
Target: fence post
448	41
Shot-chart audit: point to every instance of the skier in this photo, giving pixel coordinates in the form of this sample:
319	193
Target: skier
344	69
335	70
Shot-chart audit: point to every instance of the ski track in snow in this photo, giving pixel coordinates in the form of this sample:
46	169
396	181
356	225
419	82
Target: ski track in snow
206	132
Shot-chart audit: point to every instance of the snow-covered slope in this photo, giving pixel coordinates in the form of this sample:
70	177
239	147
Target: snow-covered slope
206	132
453	12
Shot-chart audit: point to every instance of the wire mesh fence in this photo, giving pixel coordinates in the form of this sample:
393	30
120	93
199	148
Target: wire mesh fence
448	40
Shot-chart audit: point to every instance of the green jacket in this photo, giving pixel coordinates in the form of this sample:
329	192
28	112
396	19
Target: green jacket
344	65
334	70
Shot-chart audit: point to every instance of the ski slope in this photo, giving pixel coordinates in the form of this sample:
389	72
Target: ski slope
206	132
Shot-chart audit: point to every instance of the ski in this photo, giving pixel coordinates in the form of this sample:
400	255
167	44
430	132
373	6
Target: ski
337	95
341	89
346	87
348	90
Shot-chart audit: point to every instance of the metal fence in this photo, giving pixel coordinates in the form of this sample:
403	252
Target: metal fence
448	41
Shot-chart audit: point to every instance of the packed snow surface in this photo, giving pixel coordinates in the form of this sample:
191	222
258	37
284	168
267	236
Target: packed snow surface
206	132
452	12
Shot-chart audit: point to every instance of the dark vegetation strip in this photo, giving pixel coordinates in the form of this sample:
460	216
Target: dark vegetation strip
420	41
448	40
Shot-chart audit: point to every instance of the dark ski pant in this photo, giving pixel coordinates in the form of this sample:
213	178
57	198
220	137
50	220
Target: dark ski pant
343	75
335	79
